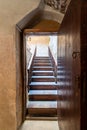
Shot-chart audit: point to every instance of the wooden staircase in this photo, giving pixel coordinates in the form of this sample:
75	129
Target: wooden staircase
42	94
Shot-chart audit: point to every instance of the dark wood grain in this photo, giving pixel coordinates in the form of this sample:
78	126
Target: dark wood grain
69	57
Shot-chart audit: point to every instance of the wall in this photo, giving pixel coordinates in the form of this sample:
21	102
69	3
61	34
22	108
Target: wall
10	13
53	47
39	42
69	44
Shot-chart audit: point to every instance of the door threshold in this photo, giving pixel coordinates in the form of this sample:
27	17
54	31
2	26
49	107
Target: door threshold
41	118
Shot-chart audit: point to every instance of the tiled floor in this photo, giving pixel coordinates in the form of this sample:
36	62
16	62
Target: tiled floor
39	125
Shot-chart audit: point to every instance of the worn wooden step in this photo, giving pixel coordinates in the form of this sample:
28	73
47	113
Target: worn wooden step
59	84
42	95
42	108
42	68
42	61
43	86
42	64
49	95
43	58
43	78
49	85
42	73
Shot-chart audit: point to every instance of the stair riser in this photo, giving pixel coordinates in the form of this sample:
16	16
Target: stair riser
49	97
42	58
42	61
43	80
47	87
43	97
42	74
41	64
51	69
42	87
42	111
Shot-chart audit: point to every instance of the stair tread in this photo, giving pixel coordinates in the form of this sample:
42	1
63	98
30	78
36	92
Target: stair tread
43	92
42	77
43	83
44	71
42	104
41	56
42	67
59	83
42	63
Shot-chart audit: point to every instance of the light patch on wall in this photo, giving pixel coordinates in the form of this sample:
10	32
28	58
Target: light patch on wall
41	42
38	39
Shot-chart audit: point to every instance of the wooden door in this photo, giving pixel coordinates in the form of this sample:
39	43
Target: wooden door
70	112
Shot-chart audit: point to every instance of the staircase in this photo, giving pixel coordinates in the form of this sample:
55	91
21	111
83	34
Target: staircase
42	94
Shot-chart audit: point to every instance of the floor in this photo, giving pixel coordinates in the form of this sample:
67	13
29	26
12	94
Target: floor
39	125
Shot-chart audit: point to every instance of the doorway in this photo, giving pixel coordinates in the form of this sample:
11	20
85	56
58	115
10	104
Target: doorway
41	87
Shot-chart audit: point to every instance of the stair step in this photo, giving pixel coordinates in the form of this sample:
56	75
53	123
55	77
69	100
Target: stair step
40	104
43	87
43	92
43	95
42	73
43	78
42	68
41	61
42	64
49	85
46	108
43	83
42	58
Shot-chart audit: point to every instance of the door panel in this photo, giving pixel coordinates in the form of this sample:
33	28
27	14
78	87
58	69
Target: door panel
70	57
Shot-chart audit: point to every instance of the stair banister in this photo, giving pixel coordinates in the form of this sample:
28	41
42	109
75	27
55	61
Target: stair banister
29	70
53	64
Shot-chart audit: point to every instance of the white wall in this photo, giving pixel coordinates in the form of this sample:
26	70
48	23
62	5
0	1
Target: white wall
53	46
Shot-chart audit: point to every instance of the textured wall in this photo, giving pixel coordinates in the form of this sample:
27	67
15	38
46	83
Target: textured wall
10	13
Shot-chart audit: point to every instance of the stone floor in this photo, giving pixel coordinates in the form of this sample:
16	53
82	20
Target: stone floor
39	125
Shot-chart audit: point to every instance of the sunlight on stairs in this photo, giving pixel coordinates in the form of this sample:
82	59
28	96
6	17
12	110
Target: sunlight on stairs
42	94
39	125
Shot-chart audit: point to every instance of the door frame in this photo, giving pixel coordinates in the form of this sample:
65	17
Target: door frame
31	32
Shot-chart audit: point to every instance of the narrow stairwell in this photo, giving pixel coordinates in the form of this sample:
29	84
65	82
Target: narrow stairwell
42	94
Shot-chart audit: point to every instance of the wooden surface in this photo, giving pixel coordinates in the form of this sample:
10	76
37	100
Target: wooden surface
84	65
68	45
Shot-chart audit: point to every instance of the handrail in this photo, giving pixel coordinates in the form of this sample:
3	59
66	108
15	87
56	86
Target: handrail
53	64
30	69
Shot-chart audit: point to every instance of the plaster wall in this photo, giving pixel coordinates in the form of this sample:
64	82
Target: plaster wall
11	12
53	47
